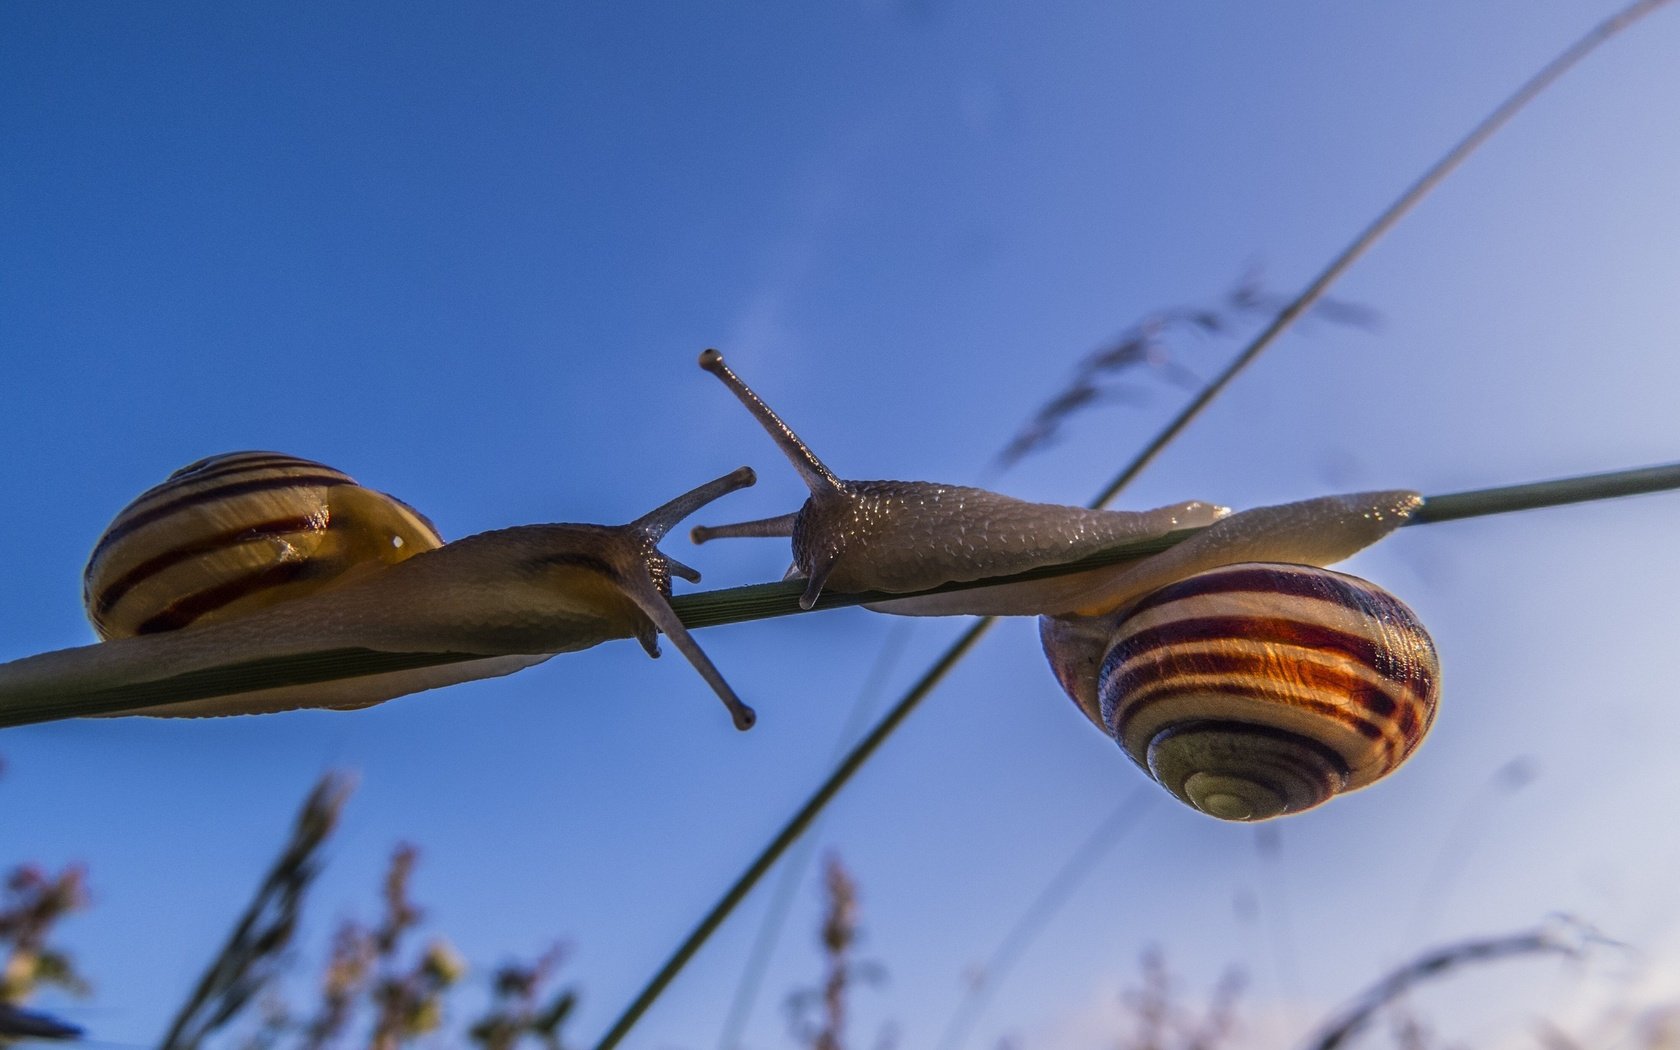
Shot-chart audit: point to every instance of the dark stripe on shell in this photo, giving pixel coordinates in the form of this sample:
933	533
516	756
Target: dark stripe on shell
194	606
233	462
221	468
126	523
1282	631
113	592
1361	597
1120	719
1133	671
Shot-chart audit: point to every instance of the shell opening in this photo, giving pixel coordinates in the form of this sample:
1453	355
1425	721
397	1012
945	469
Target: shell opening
1241	771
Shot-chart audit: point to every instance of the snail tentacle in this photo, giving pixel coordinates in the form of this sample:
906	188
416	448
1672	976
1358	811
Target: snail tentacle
816	476
762	528
663	518
657	608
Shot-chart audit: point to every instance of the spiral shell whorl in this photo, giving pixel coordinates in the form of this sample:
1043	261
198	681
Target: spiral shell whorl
1254	690
239	531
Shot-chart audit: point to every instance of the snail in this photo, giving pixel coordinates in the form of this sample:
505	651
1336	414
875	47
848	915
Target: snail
901	536
1232	667
248	556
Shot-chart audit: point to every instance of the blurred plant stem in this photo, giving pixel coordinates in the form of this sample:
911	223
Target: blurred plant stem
791	831
31	905
365	980
841	970
254	951
1565	937
986	978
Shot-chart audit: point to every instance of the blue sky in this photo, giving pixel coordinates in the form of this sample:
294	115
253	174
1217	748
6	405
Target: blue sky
469	256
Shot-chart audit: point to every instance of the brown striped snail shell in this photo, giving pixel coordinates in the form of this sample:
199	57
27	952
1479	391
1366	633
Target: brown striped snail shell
1256	690
249	556
237	532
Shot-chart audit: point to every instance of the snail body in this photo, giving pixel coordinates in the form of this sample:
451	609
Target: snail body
1232	667
903	536
271	556
906	536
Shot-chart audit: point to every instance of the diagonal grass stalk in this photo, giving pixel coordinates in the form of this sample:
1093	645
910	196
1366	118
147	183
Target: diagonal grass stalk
1466	504
1369	236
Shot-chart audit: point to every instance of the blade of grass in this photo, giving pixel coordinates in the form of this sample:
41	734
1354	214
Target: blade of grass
49	702
1566	938
249	959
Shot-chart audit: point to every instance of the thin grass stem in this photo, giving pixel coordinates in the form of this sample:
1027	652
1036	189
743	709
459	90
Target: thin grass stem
767	600
1396	211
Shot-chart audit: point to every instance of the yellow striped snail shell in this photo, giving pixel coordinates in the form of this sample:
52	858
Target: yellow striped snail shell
1256	690
240	531
251	556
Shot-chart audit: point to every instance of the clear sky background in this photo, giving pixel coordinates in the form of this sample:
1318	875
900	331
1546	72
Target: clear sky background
468	253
